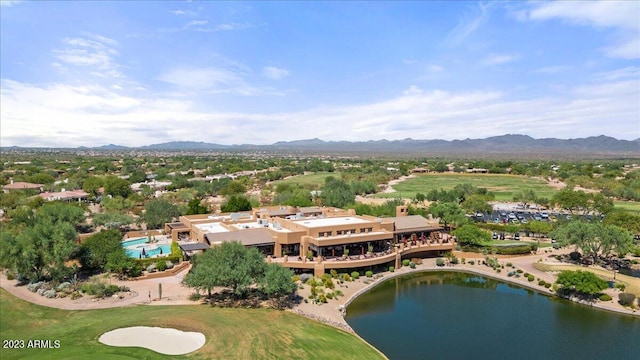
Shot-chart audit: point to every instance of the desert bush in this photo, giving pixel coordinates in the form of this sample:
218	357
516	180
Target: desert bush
575	256
330	296
305	277
605	297
440	262
355	275
406	262
531	278
620	286
471	262
417	261
334	273
161	265
195	296
392	269
368	273
50	294
454	260
321	299
626	299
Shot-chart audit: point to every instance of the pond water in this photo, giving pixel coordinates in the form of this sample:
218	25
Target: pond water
450	315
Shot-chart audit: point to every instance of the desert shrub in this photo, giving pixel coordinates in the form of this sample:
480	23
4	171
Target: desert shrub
517	249
305	277
346	277
605	297
338	293
295	278
152	268
519	271
531	278
392	269
412	264
626	299
321	299
406	262
334	273
355	275
328	282
75	295
161	265
417	261
440	262
472	262
547	285
33	287
195	296
541	282
330	296
620	286
509	264
369	273
454	260
124	289
464	261
50	294
575	256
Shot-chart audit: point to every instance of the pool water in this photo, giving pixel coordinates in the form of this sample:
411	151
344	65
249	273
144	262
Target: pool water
134	248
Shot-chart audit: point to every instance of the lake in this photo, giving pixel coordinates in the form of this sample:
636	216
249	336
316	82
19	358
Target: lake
451	315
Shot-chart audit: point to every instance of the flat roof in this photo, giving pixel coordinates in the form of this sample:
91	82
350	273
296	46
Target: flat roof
331	221
212	227
256	225
194	246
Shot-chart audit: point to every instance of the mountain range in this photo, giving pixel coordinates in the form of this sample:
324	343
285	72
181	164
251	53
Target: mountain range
504	144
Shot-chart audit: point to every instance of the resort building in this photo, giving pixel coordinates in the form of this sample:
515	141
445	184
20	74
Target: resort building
316	238
70	195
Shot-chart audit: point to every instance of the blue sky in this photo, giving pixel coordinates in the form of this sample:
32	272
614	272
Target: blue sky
136	73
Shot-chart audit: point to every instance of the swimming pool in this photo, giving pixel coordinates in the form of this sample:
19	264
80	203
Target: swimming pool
135	247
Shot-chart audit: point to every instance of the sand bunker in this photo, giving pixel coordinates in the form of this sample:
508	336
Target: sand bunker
163	340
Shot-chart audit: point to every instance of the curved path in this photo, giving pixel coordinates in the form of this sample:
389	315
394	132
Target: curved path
175	293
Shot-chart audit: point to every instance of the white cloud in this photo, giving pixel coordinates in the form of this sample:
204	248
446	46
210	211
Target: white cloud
499	59
435	68
93	51
215	80
550	69
94	115
274	73
623	16
8	3
468	25
196	23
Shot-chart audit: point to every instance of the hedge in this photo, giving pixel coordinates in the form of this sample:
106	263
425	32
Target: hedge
517	249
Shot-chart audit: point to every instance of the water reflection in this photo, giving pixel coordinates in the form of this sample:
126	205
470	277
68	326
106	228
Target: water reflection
457	315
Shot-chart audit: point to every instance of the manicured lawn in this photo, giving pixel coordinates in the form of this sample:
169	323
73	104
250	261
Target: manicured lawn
503	186
315	179
633	206
230	333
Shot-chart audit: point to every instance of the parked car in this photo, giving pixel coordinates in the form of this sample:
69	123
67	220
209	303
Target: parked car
516	236
494	236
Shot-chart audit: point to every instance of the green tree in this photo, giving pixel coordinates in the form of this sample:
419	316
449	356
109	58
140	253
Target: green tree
594	239
476	204
95	250
277	281
337	193
539	227
195	207
583	283
115	186
42	250
158	212
525	196
229	265
233	188
471	235
449	213
624	219
92	184
236	203
112	219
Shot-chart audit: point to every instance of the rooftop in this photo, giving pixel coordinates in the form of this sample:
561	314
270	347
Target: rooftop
331	221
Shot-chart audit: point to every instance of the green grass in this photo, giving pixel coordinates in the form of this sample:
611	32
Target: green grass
313	180
633	206
503	186
230	333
